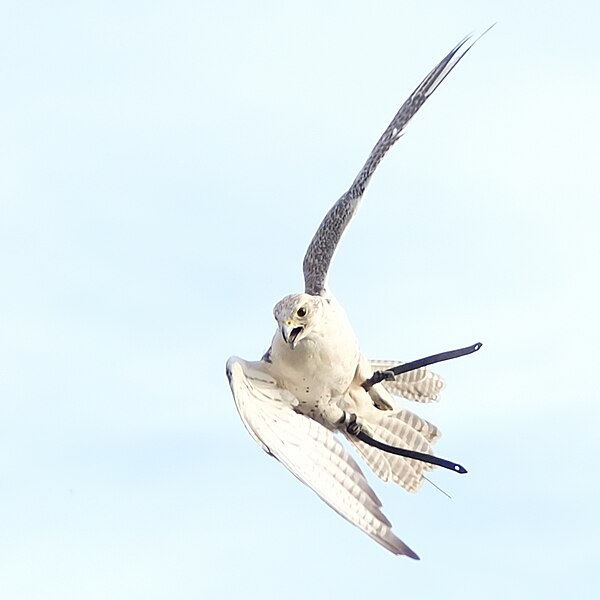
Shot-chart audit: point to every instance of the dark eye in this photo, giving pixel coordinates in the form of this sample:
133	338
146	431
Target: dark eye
301	312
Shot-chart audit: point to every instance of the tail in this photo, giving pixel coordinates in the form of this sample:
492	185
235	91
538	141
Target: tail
402	429
420	385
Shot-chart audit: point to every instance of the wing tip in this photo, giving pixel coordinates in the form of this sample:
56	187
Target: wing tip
473	38
412	554
445	67
399	548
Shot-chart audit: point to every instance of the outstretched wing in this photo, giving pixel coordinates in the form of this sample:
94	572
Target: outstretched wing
323	245
307	449
420	385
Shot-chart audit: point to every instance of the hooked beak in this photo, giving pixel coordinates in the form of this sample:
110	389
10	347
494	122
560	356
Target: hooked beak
290	334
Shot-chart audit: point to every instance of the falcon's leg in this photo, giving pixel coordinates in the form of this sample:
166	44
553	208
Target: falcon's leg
390	374
330	415
350	422
355	429
352	426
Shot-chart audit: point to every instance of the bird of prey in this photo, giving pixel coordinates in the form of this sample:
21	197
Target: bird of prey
309	385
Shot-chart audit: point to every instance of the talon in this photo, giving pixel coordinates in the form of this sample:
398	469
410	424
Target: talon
352	427
388	375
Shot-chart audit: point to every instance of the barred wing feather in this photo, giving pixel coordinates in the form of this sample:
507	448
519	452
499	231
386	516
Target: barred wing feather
308	450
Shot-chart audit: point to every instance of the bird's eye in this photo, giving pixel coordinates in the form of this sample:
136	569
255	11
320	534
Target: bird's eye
301	312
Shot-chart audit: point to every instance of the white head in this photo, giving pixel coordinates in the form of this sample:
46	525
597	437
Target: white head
297	315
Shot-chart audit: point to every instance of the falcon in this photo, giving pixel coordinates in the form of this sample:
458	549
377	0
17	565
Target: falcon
313	383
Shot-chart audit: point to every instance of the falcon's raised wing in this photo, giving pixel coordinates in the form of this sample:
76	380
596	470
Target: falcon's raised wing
320	251
309	450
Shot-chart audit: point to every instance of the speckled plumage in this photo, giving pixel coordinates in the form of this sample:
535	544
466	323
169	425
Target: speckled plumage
298	396
322	247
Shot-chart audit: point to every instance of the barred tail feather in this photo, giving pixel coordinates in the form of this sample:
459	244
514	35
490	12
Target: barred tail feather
402	429
420	385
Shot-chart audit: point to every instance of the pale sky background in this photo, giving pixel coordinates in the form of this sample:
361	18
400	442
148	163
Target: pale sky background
163	166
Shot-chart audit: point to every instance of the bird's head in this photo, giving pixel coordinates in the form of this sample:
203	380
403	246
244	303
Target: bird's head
296	316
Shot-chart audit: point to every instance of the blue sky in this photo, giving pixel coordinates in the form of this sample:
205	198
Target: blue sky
162	169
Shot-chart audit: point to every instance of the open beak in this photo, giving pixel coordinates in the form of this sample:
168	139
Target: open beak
290	334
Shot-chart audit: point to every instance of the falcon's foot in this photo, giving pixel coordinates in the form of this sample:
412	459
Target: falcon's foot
350	422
